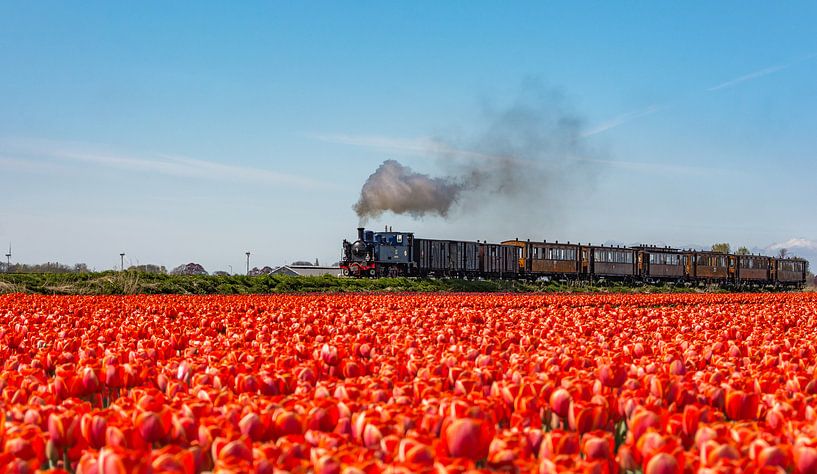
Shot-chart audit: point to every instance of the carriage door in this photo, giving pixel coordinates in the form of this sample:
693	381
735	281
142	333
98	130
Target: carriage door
585	261
640	270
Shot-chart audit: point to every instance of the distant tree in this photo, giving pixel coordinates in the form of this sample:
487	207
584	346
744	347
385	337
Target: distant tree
261	271
148	268
48	267
742	251
722	247
221	273
302	263
782	253
189	269
316	262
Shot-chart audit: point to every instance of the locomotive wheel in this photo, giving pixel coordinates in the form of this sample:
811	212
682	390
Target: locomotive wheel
346	272
372	272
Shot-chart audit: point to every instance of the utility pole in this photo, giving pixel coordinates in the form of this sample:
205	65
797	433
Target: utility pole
8	260
248	263
122	261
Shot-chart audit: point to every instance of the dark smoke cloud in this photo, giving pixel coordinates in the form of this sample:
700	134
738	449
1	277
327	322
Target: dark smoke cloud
396	188
529	154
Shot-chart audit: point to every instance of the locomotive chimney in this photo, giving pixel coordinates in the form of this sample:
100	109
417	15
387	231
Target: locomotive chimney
360	233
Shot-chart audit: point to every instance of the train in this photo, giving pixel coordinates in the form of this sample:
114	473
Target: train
395	254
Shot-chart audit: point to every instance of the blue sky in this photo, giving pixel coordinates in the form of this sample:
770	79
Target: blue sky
196	131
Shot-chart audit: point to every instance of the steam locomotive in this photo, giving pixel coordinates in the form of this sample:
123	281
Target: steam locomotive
391	254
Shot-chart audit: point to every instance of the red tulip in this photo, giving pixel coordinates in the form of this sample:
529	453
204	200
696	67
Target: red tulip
252	427
467	438
173	459
558	442
598	445
560	401
584	417
63	428
118	460
805	460
772	456
741	405
612	375
94	429
663	463
152	427
641	421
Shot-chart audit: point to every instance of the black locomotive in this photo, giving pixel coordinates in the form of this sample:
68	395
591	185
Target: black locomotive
389	253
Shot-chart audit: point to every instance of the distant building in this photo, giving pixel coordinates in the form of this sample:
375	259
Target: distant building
306	270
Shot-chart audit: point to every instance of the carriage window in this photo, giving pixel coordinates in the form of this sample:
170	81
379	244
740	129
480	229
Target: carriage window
399	238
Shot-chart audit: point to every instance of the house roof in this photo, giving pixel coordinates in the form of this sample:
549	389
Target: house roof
306	270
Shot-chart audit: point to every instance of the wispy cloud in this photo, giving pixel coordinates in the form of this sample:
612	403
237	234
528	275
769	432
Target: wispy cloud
43	155
10	163
622	119
429	147
749	77
424	146
795	244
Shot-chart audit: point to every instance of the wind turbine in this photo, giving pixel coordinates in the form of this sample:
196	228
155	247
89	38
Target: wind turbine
8	260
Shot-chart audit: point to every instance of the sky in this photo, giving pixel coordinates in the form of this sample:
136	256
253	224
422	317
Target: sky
183	132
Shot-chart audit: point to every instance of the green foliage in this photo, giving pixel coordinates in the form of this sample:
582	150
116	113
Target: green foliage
131	282
742	251
722	247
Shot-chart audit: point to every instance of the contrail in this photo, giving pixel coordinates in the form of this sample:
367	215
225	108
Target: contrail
749	77
622	119
636	114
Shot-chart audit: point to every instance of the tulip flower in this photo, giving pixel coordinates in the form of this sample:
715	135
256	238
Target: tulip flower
409	383
467	438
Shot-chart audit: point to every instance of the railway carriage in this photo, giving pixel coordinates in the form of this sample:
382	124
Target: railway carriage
712	267
789	271
617	263
657	264
753	269
547	259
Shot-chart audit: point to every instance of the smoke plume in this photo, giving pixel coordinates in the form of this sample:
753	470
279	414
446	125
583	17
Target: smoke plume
529	154
396	188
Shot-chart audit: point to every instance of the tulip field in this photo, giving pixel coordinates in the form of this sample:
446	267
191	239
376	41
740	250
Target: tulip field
409	383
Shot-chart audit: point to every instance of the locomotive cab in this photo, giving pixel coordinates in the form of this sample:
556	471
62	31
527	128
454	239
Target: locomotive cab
374	254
